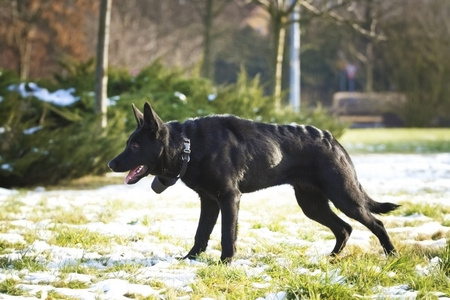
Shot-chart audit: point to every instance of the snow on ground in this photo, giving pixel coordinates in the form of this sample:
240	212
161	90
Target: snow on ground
161	228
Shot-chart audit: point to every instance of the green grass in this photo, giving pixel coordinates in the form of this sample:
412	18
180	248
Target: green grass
32	264
74	215
436	212
75	237
274	226
397	140
88	182
111	210
224	282
354	274
9	286
433	211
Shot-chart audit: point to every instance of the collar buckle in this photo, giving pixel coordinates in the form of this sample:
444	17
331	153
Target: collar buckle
187	150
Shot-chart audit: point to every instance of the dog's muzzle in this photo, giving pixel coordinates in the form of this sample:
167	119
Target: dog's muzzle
112	165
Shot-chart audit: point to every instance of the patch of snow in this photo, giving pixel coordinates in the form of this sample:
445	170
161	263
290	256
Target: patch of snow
332	277
7	167
425	229
413	174
10	274
401	292
5	193
211	97
111	101
79	277
432	267
274	296
32	130
12	238
174	213
111	287
62	97
304	271
180	96
39	277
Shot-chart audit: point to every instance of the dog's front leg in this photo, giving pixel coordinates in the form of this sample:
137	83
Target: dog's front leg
229	206
209	212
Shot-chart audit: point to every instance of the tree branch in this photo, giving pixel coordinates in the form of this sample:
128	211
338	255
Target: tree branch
339	19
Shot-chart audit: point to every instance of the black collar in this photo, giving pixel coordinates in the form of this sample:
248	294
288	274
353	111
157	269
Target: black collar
159	185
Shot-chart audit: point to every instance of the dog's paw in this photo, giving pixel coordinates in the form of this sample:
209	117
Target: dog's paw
191	257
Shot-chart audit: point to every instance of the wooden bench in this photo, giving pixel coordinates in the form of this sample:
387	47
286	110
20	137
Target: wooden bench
368	109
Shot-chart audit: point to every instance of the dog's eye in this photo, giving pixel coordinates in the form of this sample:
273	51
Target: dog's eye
135	146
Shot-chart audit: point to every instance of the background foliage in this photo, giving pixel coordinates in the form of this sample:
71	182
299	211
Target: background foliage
399	46
43	143
159	48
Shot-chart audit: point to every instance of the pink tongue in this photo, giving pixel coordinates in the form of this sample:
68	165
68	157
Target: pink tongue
131	175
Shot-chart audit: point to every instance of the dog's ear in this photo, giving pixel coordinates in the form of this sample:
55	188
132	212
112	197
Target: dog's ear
151	120
138	115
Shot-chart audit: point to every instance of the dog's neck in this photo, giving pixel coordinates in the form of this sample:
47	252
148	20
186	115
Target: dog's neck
160	184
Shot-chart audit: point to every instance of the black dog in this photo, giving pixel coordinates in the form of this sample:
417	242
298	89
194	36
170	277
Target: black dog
221	157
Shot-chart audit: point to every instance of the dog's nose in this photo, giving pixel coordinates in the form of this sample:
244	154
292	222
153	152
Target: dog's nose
112	164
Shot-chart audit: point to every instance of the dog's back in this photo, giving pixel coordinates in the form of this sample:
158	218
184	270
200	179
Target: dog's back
259	155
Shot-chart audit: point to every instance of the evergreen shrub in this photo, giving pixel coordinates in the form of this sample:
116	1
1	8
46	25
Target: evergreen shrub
43	143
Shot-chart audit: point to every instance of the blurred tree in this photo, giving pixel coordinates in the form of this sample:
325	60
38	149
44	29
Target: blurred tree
208	10
143	31
359	28
398	45
248	49
416	59
101	72
279	11
32	31
321	46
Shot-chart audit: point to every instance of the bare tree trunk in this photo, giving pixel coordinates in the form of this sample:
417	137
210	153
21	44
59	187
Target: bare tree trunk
101	73
279	11
25	57
23	38
369	67
278	76
207	69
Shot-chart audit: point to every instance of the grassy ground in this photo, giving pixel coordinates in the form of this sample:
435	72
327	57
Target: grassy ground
270	260
397	140
89	182
270	257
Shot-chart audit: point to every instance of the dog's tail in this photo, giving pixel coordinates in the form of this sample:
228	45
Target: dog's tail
381	207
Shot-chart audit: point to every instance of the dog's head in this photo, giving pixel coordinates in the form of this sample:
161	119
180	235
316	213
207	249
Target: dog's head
144	146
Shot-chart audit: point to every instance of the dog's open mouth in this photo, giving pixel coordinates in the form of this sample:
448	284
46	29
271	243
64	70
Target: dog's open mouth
136	174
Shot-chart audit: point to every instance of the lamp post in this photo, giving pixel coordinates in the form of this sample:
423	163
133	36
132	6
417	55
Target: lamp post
294	61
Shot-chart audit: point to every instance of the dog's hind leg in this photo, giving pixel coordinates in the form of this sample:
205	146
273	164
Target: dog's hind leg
365	217
316	207
208	218
355	205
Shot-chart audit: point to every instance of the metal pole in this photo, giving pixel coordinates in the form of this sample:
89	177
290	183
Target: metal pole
294	65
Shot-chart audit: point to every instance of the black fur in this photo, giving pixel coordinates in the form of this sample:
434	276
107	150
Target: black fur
231	156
